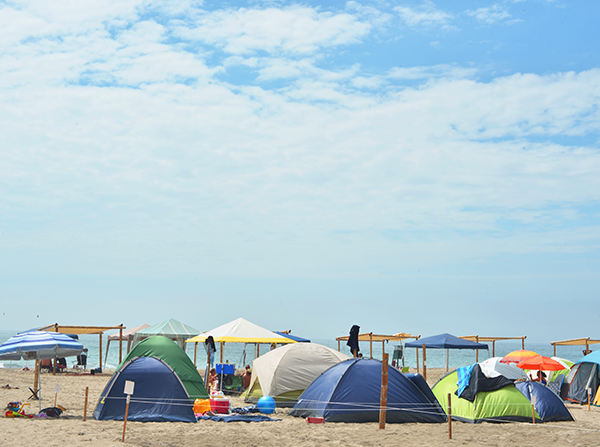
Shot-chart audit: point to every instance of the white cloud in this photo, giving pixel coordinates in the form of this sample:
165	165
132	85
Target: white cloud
491	14
426	15
431	72
296	29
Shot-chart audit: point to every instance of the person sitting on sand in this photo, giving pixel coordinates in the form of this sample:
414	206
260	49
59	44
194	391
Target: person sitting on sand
213	380
246	377
541	377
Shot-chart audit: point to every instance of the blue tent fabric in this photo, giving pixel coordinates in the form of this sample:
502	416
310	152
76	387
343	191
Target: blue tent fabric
350	392
445	341
548	405
293	337
158	396
594	357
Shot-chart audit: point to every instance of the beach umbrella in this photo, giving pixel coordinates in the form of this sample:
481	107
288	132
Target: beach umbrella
541	363
517	356
39	345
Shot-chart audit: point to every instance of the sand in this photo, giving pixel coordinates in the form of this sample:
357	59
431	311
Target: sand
71	430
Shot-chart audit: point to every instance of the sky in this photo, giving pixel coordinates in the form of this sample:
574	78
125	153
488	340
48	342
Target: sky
406	166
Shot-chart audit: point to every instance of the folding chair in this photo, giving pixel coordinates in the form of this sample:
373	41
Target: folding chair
556	384
34	394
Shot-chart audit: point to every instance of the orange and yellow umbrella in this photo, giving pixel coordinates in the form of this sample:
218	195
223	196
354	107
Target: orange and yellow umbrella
517	356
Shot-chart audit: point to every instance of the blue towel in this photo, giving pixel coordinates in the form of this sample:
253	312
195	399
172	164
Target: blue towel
464	377
238	418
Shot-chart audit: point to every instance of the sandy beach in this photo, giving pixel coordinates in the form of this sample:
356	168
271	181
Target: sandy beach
70	429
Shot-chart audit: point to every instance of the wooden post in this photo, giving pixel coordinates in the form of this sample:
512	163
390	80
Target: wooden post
477	350
56	389
125	419
384	389
339	346
449	416
493	348
36	376
523	343
222	346
371	345
87	390
424	362
195	352
100	349
554	350
120	344
589	390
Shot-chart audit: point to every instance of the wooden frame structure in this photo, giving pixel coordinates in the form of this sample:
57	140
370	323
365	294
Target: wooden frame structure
584	341
493	340
371	337
80	330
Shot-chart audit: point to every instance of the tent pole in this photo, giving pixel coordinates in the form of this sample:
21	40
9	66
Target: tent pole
424	363
417	351
120	345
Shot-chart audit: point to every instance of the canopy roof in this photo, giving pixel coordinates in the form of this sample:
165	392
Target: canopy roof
241	331
370	336
129	333
445	341
576	342
79	329
172	329
293	337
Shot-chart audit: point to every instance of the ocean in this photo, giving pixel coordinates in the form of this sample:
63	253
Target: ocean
241	355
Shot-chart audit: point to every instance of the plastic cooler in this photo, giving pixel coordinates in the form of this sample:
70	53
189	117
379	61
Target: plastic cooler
219	405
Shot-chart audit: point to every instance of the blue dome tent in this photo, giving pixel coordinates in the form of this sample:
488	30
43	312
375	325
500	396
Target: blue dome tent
350	392
159	395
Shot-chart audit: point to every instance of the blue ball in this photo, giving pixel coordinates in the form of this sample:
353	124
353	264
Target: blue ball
266	405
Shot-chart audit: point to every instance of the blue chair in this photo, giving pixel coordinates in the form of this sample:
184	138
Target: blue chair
556	384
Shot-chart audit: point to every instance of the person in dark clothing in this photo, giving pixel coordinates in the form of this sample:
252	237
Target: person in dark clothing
353	340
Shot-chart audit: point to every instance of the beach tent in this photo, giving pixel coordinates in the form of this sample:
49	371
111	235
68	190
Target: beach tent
173	329
158	395
127	336
170	353
287	371
351	390
507	404
445	341
239	331
293	337
584	374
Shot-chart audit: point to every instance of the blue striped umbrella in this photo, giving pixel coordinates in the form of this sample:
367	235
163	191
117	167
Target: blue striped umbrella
39	345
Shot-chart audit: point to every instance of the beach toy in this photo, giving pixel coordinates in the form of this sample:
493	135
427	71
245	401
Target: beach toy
266	405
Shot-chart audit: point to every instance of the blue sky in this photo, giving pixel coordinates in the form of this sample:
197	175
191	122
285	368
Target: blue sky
407	166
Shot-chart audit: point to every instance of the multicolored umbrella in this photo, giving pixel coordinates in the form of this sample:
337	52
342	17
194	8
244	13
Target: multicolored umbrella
517	356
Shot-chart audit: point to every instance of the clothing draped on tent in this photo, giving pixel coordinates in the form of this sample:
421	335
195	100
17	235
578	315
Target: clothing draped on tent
353	340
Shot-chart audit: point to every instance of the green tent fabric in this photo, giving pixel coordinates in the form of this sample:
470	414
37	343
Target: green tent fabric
169	352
